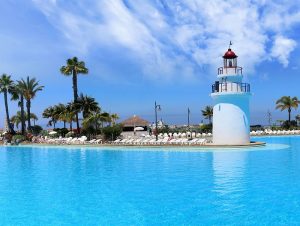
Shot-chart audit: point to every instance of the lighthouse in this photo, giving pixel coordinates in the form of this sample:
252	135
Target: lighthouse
231	116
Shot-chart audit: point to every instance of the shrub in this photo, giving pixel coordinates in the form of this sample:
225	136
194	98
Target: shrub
70	134
44	133
18	138
206	128
256	127
112	132
88	130
36	130
287	125
164	129
61	131
8	137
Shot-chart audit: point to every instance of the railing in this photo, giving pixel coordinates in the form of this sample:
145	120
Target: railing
230	70
230	87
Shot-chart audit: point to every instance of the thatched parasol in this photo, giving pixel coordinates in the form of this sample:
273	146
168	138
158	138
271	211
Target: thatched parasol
135	121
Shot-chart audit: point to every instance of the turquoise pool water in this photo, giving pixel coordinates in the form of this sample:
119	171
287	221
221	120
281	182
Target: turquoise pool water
77	186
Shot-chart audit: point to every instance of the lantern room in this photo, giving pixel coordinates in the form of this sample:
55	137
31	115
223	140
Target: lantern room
230	59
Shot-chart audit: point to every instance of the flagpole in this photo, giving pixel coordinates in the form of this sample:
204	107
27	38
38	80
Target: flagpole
189	118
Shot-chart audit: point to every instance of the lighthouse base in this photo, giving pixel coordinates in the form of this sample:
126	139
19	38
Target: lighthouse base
247	145
231	120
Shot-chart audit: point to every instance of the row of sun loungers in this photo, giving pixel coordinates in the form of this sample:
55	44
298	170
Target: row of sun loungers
185	135
70	140
164	141
274	132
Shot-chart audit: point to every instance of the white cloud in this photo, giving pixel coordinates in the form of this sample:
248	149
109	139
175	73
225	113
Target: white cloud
282	48
178	38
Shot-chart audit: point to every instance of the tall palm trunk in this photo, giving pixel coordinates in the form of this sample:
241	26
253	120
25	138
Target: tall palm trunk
75	97
289	110
71	126
22	114
11	130
64	124
28	105
96	126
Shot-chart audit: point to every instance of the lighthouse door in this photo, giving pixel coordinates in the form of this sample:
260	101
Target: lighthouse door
217	86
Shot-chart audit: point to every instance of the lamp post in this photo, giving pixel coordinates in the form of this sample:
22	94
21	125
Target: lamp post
157	108
189	128
189	118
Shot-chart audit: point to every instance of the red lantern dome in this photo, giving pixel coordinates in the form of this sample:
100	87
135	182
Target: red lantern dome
229	54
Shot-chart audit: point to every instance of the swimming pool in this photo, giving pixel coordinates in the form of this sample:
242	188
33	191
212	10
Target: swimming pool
87	186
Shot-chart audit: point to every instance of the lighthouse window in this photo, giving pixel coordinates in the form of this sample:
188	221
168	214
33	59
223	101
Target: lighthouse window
230	63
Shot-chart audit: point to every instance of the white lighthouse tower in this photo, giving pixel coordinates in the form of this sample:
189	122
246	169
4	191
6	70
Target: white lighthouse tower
231	117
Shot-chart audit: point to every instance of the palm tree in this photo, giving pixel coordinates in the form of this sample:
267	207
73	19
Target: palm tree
287	103
30	87
71	114
104	117
92	120
74	67
17	94
208	113
34	118
60	111
95	119
17	119
51	114
87	105
114	117
6	87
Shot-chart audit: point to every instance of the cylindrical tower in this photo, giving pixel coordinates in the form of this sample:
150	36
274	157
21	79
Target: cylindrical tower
231	116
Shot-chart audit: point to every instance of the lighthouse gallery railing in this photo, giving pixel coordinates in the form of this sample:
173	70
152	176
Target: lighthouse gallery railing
230	87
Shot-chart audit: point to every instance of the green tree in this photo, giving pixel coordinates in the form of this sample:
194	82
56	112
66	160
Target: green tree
208	113
34	118
71	114
112	132
74	67
30	87
61	113
87	105
51	114
6	87
18	94
92	120
287	103
17	119
104	118
114	117
96	120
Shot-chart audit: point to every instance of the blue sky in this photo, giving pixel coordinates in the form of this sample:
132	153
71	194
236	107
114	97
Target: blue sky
141	51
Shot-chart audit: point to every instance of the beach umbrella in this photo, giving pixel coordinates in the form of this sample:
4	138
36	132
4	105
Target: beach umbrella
52	133
139	128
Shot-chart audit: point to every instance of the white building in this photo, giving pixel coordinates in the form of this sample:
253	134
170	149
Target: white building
231	117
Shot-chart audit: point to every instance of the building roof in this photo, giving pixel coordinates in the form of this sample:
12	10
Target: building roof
135	121
229	54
